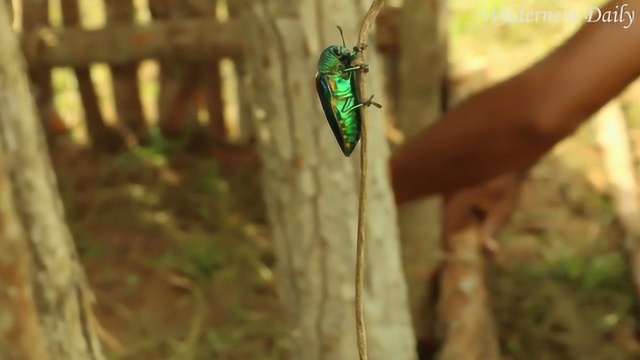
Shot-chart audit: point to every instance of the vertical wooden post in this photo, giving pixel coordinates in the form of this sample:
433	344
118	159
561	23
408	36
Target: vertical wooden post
161	10
212	86
101	135
244	115
35	14
125	77
177	82
422	29
182	83
215	105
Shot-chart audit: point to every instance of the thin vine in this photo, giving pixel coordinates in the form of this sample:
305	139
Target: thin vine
365	29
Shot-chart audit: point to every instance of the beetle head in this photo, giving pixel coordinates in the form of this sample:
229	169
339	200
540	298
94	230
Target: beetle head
333	59
342	53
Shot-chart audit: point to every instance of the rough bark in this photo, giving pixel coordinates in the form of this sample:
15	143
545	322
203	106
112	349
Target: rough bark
423	52
59	285
35	17
311	190
21	337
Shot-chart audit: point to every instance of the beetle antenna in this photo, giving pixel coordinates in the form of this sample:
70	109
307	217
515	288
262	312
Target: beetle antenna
342	36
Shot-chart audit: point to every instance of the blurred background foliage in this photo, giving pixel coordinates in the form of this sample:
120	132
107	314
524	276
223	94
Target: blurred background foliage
178	252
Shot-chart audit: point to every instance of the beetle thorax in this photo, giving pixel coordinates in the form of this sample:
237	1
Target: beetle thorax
334	59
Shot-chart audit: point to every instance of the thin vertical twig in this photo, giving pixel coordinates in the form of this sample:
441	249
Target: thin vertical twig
365	29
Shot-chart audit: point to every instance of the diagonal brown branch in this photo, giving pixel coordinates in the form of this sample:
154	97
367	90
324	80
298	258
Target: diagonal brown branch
365	29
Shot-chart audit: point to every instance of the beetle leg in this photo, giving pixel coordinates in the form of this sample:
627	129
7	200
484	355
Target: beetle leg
354	107
362	66
369	102
344	107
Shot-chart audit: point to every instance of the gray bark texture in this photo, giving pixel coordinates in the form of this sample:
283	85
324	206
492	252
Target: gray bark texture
21	337
311	189
60	290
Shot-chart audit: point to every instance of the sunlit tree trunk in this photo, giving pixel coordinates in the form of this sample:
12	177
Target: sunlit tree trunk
60	289
311	188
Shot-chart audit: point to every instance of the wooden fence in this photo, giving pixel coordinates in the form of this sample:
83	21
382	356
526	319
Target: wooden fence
187	38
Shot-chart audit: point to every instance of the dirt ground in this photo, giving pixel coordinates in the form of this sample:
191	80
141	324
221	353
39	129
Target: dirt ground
179	255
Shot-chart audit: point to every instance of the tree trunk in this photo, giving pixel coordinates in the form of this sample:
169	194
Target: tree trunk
21	337
311	189
35	15
423	52
60	289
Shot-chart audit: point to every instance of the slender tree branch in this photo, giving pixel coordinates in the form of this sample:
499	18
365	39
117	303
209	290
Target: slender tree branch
365	29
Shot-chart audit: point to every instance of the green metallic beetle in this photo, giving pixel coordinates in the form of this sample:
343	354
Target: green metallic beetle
337	86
